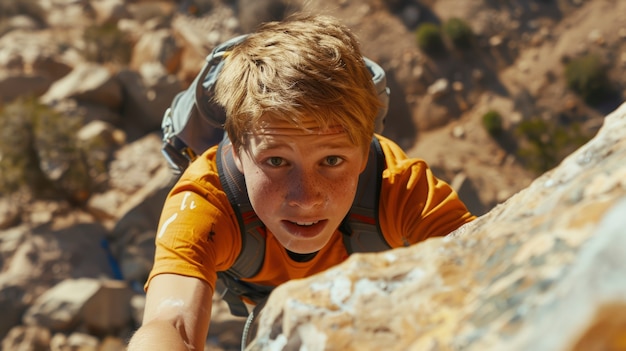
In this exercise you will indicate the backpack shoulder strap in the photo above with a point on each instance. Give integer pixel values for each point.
(250, 259)
(361, 228)
(252, 252)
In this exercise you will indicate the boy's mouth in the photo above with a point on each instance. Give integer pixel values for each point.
(305, 224)
(304, 229)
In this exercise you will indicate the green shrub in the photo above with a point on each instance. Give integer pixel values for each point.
(587, 76)
(459, 33)
(19, 164)
(39, 152)
(543, 144)
(492, 122)
(429, 39)
(107, 43)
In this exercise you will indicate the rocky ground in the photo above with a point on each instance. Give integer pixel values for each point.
(118, 85)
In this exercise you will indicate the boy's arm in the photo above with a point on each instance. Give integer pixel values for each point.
(176, 316)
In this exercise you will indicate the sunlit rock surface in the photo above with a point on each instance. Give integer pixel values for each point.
(546, 270)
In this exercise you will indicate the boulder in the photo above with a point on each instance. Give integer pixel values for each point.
(12, 306)
(59, 308)
(542, 271)
(157, 46)
(27, 338)
(146, 94)
(13, 86)
(109, 309)
(74, 341)
(102, 306)
(88, 82)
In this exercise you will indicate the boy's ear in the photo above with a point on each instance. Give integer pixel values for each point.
(365, 159)
(237, 159)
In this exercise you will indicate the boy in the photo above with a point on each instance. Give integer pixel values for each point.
(300, 107)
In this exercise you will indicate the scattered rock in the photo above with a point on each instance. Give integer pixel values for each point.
(88, 82)
(27, 338)
(439, 88)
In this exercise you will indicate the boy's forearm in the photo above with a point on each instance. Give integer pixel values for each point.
(158, 335)
(176, 316)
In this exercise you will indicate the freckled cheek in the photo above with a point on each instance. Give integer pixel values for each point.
(342, 189)
(263, 191)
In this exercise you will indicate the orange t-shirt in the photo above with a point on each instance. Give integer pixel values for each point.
(198, 233)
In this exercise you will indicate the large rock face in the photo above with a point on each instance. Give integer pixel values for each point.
(546, 270)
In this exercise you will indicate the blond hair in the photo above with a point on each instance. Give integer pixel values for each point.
(306, 66)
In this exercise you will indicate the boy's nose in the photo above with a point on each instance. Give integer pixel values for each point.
(304, 191)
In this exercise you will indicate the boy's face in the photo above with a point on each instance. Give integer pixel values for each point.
(301, 183)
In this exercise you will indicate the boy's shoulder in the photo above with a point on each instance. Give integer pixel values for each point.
(203, 170)
(392, 151)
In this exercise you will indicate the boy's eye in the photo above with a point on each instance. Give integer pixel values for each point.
(275, 161)
(333, 160)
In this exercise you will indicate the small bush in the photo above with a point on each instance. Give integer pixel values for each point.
(545, 143)
(19, 165)
(429, 39)
(492, 122)
(107, 43)
(459, 33)
(587, 76)
(39, 152)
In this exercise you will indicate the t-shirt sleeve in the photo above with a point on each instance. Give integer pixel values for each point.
(196, 233)
(415, 205)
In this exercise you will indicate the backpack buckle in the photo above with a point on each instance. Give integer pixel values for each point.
(177, 154)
